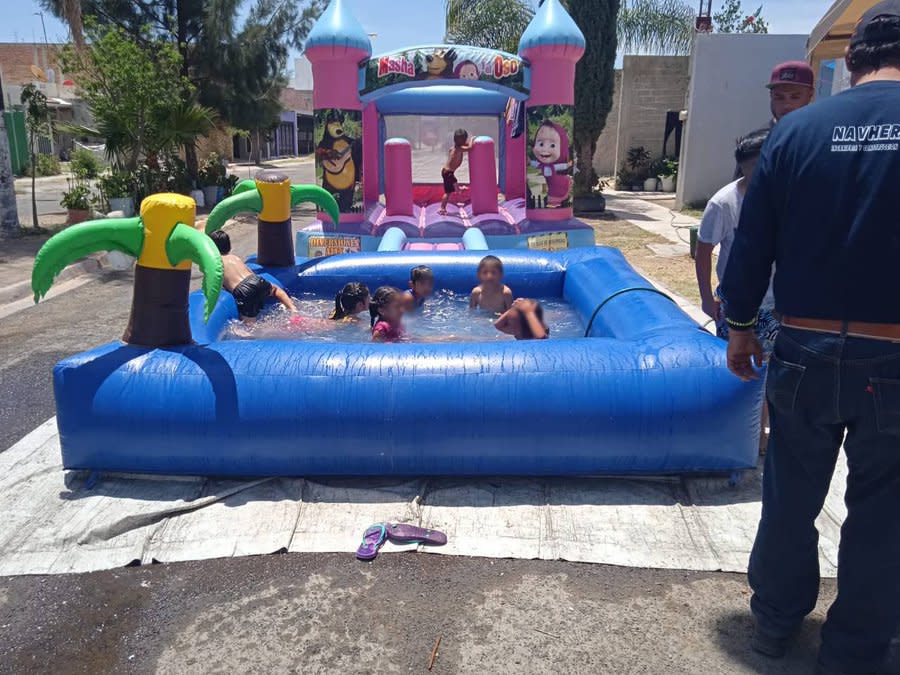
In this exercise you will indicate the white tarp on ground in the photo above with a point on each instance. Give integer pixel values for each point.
(55, 524)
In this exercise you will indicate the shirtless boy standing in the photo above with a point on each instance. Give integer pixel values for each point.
(461, 145)
(250, 291)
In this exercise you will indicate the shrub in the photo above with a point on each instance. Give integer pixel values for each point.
(116, 184)
(78, 197)
(47, 165)
(212, 171)
(84, 164)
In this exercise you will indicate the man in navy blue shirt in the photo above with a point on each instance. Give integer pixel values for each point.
(824, 207)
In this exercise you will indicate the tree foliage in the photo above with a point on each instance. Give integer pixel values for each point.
(141, 103)
(494, 24)
(594, 82)
(731, 18)
(656, 26)
(37, 119)
(237, 69)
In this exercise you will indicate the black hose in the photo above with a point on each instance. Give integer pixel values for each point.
(590, 325)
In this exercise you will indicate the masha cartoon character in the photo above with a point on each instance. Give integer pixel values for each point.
(550, 150)
(467, 70)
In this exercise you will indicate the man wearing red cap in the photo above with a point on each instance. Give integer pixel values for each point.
(791, 86)
(823, 207)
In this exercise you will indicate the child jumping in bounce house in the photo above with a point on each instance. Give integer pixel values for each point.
(461, 145)
(550, 149)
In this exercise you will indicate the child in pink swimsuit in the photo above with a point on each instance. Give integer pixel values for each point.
(386, 311)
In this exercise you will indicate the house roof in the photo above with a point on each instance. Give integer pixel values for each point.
(832, 34)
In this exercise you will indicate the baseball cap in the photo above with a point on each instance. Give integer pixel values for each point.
(793, 72)
(864, 30)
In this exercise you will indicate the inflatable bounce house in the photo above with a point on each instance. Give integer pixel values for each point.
(639, 389)
(520, 187)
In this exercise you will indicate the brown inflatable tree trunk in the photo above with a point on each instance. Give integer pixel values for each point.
(275, 238)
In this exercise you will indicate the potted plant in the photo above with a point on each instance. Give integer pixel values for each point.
(117, 188)
(211, 175)
(638, 161)
(668, 174)
(77, 202)
(623, 178)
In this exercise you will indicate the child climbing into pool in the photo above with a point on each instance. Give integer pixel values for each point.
(461, 145)
(491, 294)
(386, 312)
(351, 300)
(421, 286)
(249, 290)
(524, 321)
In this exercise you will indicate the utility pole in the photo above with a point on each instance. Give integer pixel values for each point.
(9, 213)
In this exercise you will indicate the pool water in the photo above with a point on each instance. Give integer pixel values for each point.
(445, 315)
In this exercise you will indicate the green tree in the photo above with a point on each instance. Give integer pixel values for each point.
(230, 67)
(732, 19)
(594, 82)
(495, 24)
(656, 26)
(37, 119)
(141, 104)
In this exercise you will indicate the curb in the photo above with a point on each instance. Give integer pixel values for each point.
(22, 289)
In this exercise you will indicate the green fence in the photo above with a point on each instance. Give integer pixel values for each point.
(18, 140)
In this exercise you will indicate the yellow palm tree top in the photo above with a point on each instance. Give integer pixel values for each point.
(276, 199)
(160, 214)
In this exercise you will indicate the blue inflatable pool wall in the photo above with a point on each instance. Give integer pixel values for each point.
(646, 392)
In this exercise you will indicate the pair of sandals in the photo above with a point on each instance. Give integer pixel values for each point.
(397, 533)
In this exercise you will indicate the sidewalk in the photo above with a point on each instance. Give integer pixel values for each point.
(645, 212)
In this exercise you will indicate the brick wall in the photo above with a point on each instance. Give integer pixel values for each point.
(16, 59)
(648, 86)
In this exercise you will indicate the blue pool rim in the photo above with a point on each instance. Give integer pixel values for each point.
(647, 393)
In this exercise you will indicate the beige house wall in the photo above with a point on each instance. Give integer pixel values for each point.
(646, 88)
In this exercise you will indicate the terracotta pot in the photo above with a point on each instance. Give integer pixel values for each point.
(75, 216)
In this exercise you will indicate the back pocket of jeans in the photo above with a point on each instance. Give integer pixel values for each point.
(887, 404)
(782, 383)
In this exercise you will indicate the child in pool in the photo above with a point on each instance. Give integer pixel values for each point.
(249, 290)
(524, 321)
(350, 301)
(421, 286)
(491, 294)
(386, 311)
(461, 145)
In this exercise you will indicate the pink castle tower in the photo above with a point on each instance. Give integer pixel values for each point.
(552, 44)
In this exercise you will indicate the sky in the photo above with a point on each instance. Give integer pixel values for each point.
(400, 23)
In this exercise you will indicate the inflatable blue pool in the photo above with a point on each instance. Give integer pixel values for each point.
(645, 391)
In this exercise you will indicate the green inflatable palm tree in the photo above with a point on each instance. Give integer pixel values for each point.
(165, 244)
(272, 197)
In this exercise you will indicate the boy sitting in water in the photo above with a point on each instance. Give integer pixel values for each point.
(250, 291)
(461, 145)
(421, 286)
(491, 294)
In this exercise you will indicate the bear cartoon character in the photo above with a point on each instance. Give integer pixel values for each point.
(340, 158)
(550, 150)
(467, 70)
(439, 65)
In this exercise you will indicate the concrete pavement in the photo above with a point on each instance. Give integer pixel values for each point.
(329, 613)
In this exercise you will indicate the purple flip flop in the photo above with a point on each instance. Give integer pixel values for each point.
(372, 541)
(403, 533)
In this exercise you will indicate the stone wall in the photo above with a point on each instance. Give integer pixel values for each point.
(647, 87)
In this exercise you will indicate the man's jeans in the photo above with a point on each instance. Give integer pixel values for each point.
(820, 386)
